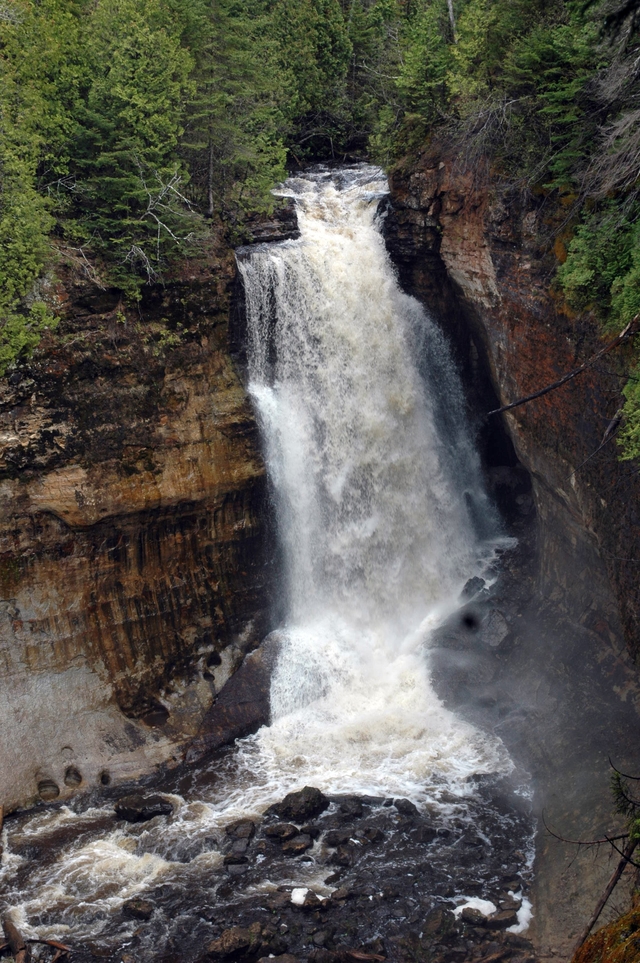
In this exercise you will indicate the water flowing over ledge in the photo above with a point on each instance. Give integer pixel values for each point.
(383, 519)
(380, 504)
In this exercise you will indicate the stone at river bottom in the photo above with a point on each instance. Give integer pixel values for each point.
(302, 805)
(138, 909)
(139, 809)
(281, 831)
(297, 845)
(393, 900)
(241, 829)
(246, 943)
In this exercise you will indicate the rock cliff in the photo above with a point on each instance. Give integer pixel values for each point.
(486, 254)
(562, 689)
(134, 544)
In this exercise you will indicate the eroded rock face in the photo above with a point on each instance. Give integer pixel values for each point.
(566, 691)
(133, 545)
(485, 258)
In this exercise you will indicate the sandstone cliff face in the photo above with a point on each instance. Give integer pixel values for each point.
(134, 547)
(483, 258)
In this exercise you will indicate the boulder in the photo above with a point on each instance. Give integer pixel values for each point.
(300, 806)
(350, 806)
(343, 856)
(336, 837)
(238, 941)
(241, 829)
(242, 705)
(502, 919)
(473, 917)
(298, 845)
(138, 909)
(139, 808)
(405, 807)
(281, 831)
(472, 588)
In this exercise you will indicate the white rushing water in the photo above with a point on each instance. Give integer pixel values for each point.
(382, 518)
(379, 500)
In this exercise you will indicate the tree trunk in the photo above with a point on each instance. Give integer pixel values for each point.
(210, 207)
(452, 20)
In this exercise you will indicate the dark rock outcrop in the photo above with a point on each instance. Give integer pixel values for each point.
(546, 647)
(299, 806)
(242, 706)
(139, 808)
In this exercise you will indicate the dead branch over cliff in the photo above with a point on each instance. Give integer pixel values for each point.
(630, 330)
(617, 873)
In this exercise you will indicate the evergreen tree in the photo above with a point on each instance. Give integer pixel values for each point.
(233, 139)
(129, 124)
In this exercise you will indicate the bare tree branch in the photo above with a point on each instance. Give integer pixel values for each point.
(630, 330)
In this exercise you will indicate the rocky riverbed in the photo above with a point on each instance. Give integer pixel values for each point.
(318, 878)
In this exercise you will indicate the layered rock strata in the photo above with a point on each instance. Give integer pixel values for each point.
(133, 534)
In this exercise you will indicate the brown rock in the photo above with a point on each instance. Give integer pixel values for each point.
(242, 706)
(236, 941)
(502, 920)
(132, 510)
(336, 837)
(298, 845)
(139, 808)
(300, 806)
(282, 831)
(343, 856)
(138, 909)
(473, 917)
(241, 829)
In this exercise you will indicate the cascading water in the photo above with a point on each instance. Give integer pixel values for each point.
(380, 504)
(382, 518)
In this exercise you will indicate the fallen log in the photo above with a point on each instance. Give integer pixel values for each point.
(14, 944)
(54, 943)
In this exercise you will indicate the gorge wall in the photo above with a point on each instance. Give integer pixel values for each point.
(486, 254)
(562, 689)
(134, 544)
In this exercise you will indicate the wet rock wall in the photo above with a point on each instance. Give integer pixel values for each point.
(484, 256)
(561, 688)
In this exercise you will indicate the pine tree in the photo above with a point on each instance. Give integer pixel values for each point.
(233, 138)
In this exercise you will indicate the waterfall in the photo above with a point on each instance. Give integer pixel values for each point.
(382, 518)
(380, 505)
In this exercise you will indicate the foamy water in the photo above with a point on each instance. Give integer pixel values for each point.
(382, 518)
(380, 503)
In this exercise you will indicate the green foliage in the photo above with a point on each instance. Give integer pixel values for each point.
(128, 127)
(25, 219)
(21, 333)
(427, 62)
(131, 202)
(235, 116)
(602, 274)
(629, 437)
(601, 270)
(625, 804)
(548, 69)
(314, 52)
